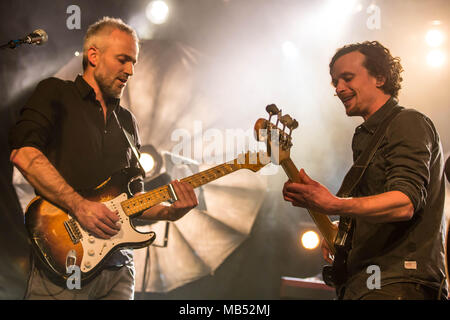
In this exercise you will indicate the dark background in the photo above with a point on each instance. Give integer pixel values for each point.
(225, 30)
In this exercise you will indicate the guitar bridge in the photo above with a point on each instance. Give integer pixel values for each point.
(73, 231)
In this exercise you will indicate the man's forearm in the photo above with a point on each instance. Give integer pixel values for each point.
(390, 206)
(156, 213)
(43, 176)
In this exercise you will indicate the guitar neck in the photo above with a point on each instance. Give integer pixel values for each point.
(149, 199)
(322, 221)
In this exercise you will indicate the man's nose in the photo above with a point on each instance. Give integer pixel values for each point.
(129, 69)
(340, 86)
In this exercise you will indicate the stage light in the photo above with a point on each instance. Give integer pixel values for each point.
(147, 162)
(157, 12)
(344, 6)
(436, 22)
(151, 161)
(310, 240)
(76, 53)
(434, 38)
(289, 50)
(358, 7)
(435, 58)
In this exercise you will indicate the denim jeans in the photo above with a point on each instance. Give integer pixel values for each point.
(109, 284)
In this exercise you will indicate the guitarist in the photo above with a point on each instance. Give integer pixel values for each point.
(67, 138)
(397, 207)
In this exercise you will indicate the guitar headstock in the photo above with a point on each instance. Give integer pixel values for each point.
(278, 140)
(253, 161)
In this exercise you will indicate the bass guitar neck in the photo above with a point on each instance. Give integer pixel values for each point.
(322, 221)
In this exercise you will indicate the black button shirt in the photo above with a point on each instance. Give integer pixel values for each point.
(409, 160)
(65, 122)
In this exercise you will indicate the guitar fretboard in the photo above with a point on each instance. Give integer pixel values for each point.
(149, 199)
(323, 222)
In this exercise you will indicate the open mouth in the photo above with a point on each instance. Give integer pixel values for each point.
(122, 82)
(347, 98)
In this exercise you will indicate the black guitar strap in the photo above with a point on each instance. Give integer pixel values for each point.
(356, 172)
(129, 139)
(350, 182)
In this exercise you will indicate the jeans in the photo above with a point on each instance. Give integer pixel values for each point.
(401, 291)
(109, 284)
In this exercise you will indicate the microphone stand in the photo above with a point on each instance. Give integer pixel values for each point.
(12, 44)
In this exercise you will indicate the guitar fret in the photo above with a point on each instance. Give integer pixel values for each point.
(145, 201)
(142, 202)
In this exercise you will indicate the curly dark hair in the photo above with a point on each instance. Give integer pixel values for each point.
(378, 62)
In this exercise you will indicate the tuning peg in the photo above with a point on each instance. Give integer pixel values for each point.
(286, 120)
(293, 125)
(272, 109)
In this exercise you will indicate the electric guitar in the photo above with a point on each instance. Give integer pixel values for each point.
(279, 142)
(60, 241)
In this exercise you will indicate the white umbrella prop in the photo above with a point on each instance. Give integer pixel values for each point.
(199, 242)
(166, 94)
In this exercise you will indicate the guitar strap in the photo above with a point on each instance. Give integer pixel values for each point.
(350, 182)
(129, 139)
(354, 175)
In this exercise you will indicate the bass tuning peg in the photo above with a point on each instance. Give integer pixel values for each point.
(272, 109)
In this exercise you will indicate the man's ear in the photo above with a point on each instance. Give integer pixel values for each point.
(380, 81)
(93, 56)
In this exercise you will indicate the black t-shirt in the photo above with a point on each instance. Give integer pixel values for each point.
(409, 160)
(65, 122)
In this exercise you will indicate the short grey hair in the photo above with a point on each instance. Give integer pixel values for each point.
(104, 27)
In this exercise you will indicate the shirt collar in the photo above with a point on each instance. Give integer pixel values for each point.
(86, 91)
(372, 123)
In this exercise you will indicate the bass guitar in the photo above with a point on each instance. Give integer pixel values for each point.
(279, 142)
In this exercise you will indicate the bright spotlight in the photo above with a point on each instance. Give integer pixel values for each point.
(289, 50)
(310, 240)
(434, 38)
(435, 58)
(147, 162)
(157, 11)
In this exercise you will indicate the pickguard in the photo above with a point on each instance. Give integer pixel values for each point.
(95, 249)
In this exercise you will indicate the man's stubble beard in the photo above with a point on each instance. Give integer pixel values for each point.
(107, 90)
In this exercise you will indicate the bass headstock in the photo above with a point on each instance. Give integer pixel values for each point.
(253, 161)
(278, 135)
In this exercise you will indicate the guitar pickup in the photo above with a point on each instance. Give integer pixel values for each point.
(73, 230)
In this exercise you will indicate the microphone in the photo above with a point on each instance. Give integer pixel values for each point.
(37, 37)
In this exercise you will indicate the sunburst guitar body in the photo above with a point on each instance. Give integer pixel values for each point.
(60, 241)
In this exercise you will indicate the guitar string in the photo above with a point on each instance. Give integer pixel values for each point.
(159, 195)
